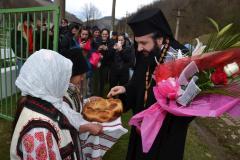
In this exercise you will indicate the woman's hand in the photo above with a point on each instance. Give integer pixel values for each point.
(118, 47)
(116, 91)
(94, 129)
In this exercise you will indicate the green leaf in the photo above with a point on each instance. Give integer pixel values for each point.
(222, 43)
(224, 30)
(214, 23)
(237, 44)
(211, 40)
(234, 40)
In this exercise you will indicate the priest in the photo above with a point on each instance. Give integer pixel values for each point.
(155, 44)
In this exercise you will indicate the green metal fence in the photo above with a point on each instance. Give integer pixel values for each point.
(22, 31)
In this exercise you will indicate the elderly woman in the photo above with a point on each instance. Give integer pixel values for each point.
(45, 126)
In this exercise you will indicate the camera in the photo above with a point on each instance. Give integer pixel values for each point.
(104, 43)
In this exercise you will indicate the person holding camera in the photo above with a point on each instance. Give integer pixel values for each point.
(104, 49)
(84, 41)
(120, 55)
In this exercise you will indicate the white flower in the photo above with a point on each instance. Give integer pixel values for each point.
(199, 48)
(231, 69)
(179, 54)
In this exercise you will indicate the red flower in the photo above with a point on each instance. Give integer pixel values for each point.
(28, 143)
(39, 136)
(219, 77)
(41, 152)
(52, 155)
(29, 157)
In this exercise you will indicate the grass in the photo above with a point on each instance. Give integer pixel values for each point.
(8, 106)
(195, 148)
(228, 136)
(5, 138)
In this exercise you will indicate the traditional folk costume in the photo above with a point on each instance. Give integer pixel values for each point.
(47, 126)
(92, 147)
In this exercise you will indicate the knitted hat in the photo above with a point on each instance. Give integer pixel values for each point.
(79, 62)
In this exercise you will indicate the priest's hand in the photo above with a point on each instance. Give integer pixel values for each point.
(116, 91)
(94, 98)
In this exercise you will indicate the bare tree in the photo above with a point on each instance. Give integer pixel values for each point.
(90, 13)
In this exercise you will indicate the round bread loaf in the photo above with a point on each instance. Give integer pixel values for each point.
(102, 110)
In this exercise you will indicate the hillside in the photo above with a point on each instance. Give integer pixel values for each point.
(195, 12)
(104, 22)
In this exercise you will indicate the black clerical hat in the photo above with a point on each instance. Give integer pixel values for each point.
(79, 62)
(149, 21)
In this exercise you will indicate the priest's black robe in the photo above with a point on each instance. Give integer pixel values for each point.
(170, 141)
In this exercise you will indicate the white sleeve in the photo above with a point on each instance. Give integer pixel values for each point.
(74, 117)
(39, 143)
(86, 100)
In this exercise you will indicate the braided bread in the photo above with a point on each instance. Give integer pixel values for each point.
(102, 110)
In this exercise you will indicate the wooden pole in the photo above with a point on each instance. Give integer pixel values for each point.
(113, 14)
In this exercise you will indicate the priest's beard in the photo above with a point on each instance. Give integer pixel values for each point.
(153, 54)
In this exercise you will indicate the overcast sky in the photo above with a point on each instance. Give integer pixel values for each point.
(105, 6)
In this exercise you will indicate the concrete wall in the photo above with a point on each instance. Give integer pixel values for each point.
(5, 88)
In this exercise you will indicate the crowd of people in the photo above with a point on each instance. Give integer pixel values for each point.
(109, 57)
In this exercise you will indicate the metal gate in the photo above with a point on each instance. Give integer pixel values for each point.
(22, 31)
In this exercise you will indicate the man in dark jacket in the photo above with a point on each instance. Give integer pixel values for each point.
(154, 39)
(67, 41)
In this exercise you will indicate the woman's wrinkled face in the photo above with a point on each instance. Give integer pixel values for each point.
(105, 35)
(77, 79)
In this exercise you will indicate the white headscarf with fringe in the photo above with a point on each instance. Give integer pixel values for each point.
(46, 75)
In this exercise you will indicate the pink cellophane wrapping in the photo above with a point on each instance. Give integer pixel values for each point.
(149, 121)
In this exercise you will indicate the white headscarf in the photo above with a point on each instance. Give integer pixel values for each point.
(45, 75)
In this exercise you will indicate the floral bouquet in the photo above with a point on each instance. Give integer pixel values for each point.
(204, 84)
